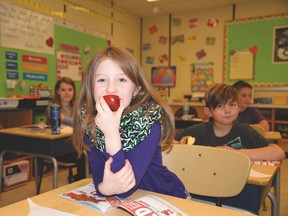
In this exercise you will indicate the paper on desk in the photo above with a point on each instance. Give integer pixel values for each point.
(254, 173)
(66, 129)
(36, 210)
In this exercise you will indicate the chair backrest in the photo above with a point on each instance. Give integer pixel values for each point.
(260, 129)
(208, 171)
(192, 111)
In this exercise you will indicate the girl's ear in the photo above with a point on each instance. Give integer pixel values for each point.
(207, 112)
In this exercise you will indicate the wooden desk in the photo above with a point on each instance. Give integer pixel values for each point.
(39, 144)
(263, 181)
(52, 200)
(266, 184)
(273, 135)
(255, 191)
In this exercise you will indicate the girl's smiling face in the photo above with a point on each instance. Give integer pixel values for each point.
(66, 93)
(110, 79)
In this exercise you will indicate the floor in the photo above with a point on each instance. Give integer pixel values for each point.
(29, 190)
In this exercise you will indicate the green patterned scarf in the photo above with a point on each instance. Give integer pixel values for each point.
(134, 126)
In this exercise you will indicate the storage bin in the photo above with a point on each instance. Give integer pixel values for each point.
(15, 174)
(280, 100)
(9, 103)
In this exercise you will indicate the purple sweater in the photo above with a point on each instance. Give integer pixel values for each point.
(146, 160)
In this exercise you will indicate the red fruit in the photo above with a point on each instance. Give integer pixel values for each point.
(113, 101)
(50, 42)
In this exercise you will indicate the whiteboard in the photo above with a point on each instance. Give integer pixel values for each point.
(26, 30)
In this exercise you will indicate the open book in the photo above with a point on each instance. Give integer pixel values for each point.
(145, 205)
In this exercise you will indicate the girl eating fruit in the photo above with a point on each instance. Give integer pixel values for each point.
(124, 139)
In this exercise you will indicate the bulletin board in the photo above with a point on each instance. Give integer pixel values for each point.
(28, 51)
(249, 51)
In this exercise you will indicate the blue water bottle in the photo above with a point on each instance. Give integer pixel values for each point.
(55, 121)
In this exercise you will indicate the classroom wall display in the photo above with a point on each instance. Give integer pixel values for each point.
(72, 48)
(252, 51)
(241, 65)
(280, 46)
(202, 76)
(26, 30)
(163, 76)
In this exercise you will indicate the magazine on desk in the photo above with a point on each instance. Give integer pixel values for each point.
(145, 205)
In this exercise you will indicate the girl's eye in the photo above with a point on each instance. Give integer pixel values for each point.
(100, 80)
(122, 80)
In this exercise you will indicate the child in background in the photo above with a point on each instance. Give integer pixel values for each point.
(124, 146)
(248, 114)
(224, 132)
(65, 97)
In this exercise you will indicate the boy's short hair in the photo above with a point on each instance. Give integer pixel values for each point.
(220, 94)
(242, 84)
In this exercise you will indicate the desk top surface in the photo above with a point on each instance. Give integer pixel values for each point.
(52, 200)
(273, 135)
(267, 171)
(37, 133)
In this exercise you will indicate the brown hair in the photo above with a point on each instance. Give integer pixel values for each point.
(56, 98)
(134, 72)
(242, 84)
(220, 94)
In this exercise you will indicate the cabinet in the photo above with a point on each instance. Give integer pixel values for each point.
(15, 117)
(277, 116)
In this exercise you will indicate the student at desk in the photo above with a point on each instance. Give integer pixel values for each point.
(65, 97)
(224, 132)
(124, 139)
(248, 114)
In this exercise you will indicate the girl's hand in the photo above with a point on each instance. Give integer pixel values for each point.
(117, 183)
(62, 116)
(106, 120)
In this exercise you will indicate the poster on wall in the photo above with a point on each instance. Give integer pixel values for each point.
(69, 64)
(202, 76)
(280, 45)
(163, 76)
(26, 30)
(241, 65)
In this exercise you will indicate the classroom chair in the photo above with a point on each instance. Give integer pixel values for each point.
(192, 111)
(66, 165)
(208, 171)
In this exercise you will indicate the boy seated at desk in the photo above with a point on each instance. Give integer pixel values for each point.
(248, 114)
(224, 132)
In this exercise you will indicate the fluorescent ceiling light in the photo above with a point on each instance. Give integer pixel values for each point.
(152, 0)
